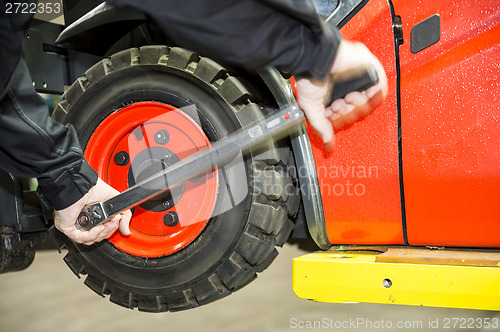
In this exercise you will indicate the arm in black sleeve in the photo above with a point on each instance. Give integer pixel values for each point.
(31, 143)
(251, 34)
(34, 145)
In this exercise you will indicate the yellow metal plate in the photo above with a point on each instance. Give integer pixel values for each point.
(339, 277)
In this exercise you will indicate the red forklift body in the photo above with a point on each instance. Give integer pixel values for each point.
(423, 169)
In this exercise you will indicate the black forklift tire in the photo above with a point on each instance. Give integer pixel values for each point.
(234, 246)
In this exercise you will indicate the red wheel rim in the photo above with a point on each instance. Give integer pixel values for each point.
(145, 131)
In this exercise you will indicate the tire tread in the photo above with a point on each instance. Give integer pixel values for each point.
(268, 223)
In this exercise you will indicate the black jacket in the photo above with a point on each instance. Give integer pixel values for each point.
(286, 34)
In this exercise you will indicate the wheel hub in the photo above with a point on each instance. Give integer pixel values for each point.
(148, 163)
(138, 141)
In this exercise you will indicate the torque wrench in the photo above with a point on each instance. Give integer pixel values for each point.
(221, 152)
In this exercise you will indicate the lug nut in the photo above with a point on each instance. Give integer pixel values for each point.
(162, 137)
(171, 219)
(121, 158)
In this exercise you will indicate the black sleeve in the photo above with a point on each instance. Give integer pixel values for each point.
(251, 34)
(31, 143)
(11, 44)
(34, 145)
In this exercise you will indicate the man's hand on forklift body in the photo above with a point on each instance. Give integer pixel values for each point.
(312, 94)
(64, 220)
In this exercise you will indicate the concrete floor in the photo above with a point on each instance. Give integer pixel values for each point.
(48, 297)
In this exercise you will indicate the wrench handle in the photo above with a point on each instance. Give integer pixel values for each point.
(359, 79)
